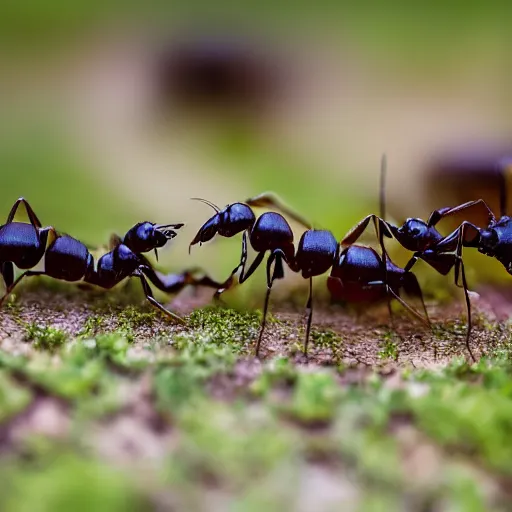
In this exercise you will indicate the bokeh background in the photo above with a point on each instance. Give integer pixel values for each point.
(115, 112)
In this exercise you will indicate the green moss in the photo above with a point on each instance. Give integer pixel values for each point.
(13, 398)
(232, 446)
(236, 329)
(65, 379)
(92, 326)
(314, 399)
(132, 317)
(111, 348)
(45, 337)
(326, 338)
(278, 372)
(64, 481)
(388, 347)
(468, 409)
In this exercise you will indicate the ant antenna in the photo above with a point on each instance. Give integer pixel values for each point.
(216, 208)
(383, 169)
(502, 167)
(173, 226)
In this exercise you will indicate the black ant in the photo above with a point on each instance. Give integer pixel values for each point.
(68, 259)
(358, 273)
(269, 232)
(440, 252)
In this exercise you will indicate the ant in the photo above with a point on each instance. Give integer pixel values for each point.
(269, 232)
(68, 259)
(358, 273)
(440, 252)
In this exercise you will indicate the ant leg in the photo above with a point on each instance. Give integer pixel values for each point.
(174, 283)
(405, 305)
(459, 265)
(380, 225)
(264, 320)
(7, 271)
(28, 273)
(468, 309)
(229, 283)
(271, 200)
(382, 191)
(155, 303)
(309, 306)
(114, 241)
(437, 215)
(278, 273)
(31, 214)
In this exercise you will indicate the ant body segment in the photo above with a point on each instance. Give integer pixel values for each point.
(22, 244)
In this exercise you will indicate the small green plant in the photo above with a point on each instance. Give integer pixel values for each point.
(280, 371)
(45, 337)
(132, 317)
(315, 398)
(389, 348)
(92, 326)
(326, 338)
(225, 326)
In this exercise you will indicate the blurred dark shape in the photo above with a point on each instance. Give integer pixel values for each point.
(221, 72)
(458, 177)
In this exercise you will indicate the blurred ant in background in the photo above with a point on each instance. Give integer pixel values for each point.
(218, 71)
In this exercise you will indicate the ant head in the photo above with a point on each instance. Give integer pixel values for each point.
(416, 235)
(147, 236)
(413, 228)
(234, 219)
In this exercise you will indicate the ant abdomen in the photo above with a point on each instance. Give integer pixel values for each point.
(315, 253)
(19, 243)
(66, 259)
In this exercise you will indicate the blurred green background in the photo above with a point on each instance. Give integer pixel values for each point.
(88, 139)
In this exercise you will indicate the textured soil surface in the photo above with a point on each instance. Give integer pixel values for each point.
(100, 390)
